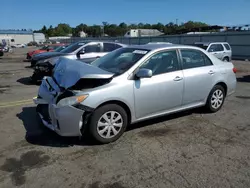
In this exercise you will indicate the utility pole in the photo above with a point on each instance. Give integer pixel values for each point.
(104, 24)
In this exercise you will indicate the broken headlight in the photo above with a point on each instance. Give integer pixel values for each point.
(69, 101)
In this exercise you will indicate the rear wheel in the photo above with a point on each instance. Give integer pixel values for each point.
(108, 123)
(216, 99)
(226, 59)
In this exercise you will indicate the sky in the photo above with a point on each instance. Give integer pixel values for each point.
(33, 14)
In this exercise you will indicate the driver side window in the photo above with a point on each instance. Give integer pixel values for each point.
(162, 62)
(92, 48)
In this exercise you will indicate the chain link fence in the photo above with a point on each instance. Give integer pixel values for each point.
(239, 41)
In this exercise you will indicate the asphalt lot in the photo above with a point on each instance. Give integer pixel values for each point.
(189, 149)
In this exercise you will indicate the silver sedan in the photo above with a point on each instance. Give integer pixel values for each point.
(129, 85)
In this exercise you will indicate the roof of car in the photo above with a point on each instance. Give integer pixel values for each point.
(88, 41)
(207, 43)
(157, 46)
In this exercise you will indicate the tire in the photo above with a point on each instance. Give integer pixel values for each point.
(97, 116)
(226, 59)
(217, 95)
(34, 78)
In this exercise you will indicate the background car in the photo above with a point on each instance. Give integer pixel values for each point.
(1, 51)
(222, 50)
(117, 89)
(46, 48)
(18, 46)
(86, 52)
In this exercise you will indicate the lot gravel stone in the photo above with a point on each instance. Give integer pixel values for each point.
(187, 149)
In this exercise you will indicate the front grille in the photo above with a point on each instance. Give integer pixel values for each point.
(33, 62)
(43, 109)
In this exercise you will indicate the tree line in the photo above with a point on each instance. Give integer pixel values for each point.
(115, 30)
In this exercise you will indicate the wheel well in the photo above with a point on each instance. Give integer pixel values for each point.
(226, 57)
(122, 104)
(224, 86)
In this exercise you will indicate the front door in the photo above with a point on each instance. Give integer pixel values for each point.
(92, 51)
(199, 74)
(164, 90)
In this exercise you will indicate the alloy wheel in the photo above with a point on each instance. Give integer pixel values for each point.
(217, 99)
(110, 124)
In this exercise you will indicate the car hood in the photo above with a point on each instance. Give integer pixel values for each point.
(68, 72)
(47, 55)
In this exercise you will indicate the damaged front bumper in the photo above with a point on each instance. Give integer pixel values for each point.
(39, 73)
(65, 121)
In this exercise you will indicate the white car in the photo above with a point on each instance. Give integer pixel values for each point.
(19, 45)
(222, 50)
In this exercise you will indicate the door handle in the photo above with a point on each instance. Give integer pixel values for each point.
(178, 78)
(211, 72)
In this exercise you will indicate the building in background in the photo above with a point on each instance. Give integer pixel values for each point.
(82, 34)
(13, 37)
(143, 33)
(39, 38)
(59, 37)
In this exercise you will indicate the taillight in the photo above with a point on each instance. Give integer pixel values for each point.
(234, 70)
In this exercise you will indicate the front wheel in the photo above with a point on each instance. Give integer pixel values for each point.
(216, 99)
(108, 123)
(226, 59)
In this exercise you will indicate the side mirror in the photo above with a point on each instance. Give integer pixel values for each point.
(82, 52)
(47, 49)
(144, 73)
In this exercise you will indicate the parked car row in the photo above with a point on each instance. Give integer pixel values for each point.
(85, 51)
(99, 88)
(46, 48)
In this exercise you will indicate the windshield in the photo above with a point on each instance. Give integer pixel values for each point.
(203, 46)
(60, 48)
(73, 47)
(119, 61)
(44, 48)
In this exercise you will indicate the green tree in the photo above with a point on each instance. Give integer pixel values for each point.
(44, 30)
(51, 31)
(63, 29)
(78, 28)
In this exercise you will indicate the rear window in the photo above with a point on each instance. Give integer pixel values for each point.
(73, 47)
(109, 47)
(227, 46)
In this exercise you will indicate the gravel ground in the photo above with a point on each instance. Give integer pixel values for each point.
(188, 149)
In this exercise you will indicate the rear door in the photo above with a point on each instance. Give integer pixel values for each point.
(199, 73)
(217, 50)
